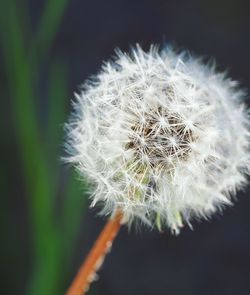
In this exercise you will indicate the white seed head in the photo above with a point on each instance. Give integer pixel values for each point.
(163, 137)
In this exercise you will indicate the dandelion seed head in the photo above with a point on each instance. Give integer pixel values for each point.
(162, 136)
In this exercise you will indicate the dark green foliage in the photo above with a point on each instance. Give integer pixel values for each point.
(54, 213)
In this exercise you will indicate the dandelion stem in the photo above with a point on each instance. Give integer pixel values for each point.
(95, 258)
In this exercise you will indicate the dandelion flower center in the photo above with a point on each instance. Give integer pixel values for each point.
(161, 139)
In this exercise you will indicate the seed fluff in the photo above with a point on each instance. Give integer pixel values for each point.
(162, 136)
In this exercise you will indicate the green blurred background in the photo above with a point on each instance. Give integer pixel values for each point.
(48, 48)
(35, 88)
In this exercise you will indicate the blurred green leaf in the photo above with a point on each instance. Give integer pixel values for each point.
(44, 234)
(52, 241)
(46, 237)
(57, 94)
(73, 210)
(47, 28)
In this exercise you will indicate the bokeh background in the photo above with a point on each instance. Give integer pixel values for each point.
(48, 48)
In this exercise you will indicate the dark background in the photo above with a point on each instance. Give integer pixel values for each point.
(48, 48)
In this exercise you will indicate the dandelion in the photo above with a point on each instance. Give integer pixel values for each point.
(163, 138)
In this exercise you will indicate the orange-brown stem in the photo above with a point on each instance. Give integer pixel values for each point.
(90, 266)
